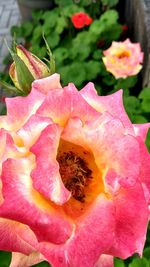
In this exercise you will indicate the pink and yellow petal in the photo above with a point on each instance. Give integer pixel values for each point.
(12, 235)
(60, 105)
(86, 243)
(32, 129)
(105, 261)
(46, 84)
(48, 222)
(21, 260)
(19, 110)
(113, 103)
(141, 130)
(46, 177)
(131, 219)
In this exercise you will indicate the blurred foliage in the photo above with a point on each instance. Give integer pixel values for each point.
(78, 54)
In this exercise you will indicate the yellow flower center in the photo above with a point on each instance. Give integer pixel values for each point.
(123, 54)
(80, 176)
(75, 174)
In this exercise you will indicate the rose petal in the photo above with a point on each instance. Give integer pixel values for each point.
(48, 223)
(87, 242)
(141, 130)
(19, 109)
(105, 261)
(21, 260)
(46, 84)
(131, 222)
(46, 177)
(12, 237)
(113, 104)
(60, 105)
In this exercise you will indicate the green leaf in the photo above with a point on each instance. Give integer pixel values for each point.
(145, 93)
(9, 89)
(118, 263)
(93, 68)
(37, 33)
(109, 79)
(64, 2)
(109, 3)
(79, 51)
(132, 105)
(145, 105)
(146, 253)
(61, 25)
(5, 258)
(106, 27)
(60, 54)
(27, 28)
(53, 39)
(17, 31)
(139, 119)
(147, 250)
(139, 263)
(75, 73)
(126, 83)
(50, 18)
(69, 10)
(98, 54)
(145, 97)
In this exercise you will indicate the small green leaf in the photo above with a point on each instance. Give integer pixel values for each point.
(146, 253)
(118, 263)
(145, 93)
(93, 68)
(139, 263)
(10, 89)
(5, 258)
(126, 83)
(109, 3)
(53, 39)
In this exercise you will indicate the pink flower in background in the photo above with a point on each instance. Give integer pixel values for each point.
(123, 59)
(80, 20)
(75, 178)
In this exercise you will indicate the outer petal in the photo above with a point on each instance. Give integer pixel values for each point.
(105, 261)
(112, 103)
(141, 130)
(60, 105)
(46, 177)
(48, 223)
(131, 222)
(19, 109)
(100, 137)
(87, 241)
(145, 170)
(46, 84)
(21, 260)
(18, 237)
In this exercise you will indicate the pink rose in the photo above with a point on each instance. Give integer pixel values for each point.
(123, 59)
(75, 178)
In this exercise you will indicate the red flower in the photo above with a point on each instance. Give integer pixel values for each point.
(80, 20)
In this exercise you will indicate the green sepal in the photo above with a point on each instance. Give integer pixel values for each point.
(51, 60)
(24, 76)
(10, 89)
